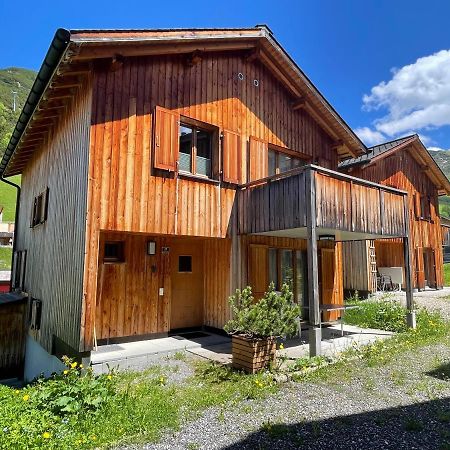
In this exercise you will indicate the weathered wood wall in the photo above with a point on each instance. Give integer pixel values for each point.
(125, 193)
(12, 338)
(55, 249)
(356, 271)
(402, 171)
(128, 300)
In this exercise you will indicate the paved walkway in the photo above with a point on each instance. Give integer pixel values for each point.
(141, 354)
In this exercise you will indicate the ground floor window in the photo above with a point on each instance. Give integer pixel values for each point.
(289, 266)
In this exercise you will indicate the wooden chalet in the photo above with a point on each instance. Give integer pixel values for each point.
(163, 169)
(404, 164)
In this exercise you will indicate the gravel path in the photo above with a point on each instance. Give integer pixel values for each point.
(402, 405)
(430, 299)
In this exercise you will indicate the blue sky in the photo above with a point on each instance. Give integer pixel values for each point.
(384, 65)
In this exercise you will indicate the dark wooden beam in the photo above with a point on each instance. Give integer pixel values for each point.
(193, 58)
(299, 104)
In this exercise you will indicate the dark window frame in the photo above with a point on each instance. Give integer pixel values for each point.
(213, 131)
(40, 209)
(182, 268)
(120, 252)
(278, 151)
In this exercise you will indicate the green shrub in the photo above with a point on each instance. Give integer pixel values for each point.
(275, 315)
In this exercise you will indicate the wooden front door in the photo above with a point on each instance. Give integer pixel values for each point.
(429, 267)
(328, 284)
(186, 274)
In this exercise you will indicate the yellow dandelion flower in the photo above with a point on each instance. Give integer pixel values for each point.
(46, 435)
(109, 377)
(17, 392)
(281, 347)
(94, 438)
(73, 365)
(26, 397)
(81, 366)
(65, 372)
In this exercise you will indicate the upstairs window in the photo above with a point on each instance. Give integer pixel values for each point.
(425, 207)
(280, 162)
(40, 209)
(195, 150)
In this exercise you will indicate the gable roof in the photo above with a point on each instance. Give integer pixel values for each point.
(418, 152)
(71, 53)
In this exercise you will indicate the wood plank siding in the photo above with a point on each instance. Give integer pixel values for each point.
(128, 192)
(55, 249)
(401, 170)
(343, 204)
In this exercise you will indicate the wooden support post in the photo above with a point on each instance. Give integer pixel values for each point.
(315, 332)
(411, 314)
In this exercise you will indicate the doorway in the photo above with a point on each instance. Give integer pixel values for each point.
(429, 265)
(186, 274)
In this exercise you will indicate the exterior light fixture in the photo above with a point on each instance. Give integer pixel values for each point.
(151, 248)
(326, 237)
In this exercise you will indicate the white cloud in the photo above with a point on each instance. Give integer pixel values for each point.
(370, 137)
(417, 97)
(438, 149)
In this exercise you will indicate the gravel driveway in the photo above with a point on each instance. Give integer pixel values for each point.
(402, 405)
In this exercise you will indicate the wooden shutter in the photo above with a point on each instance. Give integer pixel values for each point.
(417, 206)
(258, 269)
(420, 272)
(231, 157)
(258, 159)
(165, 139)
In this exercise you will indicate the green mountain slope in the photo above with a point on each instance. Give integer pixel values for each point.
(12, 79)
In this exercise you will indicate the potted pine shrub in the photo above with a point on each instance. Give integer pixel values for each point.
(255, 326)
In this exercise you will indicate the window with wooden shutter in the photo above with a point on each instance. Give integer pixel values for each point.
(40, 209)
(258, 159)
(231, 157)
(165, 139)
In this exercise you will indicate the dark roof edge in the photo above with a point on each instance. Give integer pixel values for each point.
(51, 61)
(409, 136)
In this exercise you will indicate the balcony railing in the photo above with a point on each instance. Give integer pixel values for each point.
(339, 202)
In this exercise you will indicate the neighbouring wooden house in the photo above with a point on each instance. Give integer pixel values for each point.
(163, 169)
(404, 164)
(445, 227)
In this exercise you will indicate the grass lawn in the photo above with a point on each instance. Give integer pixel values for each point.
(85, 411)
(447, 274)
(8, 198)
(80, 410)
(5, 258)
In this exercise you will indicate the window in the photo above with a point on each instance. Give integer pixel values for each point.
(114, 252)
(19, 268)
(184, 263)
(195, 150)
(425, 207)
(280, 162)
(40, 208)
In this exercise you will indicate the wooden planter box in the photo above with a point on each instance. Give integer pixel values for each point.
(252, 355)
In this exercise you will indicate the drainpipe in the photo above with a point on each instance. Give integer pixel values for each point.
(16, 221)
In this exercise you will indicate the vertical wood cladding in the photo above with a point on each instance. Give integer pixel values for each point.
(55, 249)
(403, 172)
(126, 193)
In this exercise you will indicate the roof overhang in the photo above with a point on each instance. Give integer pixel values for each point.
(72, 53)
(414, 146)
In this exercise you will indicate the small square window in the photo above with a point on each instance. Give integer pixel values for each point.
(185, 263)
(114, 252)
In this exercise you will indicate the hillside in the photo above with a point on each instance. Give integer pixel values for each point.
(12, 79)
(17, 80)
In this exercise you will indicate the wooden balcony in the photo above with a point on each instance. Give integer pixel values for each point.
(337, 205)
